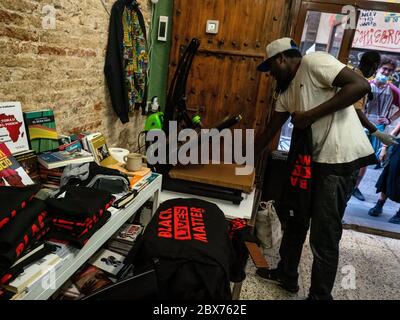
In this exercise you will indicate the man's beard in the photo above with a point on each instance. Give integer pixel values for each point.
(281, 86)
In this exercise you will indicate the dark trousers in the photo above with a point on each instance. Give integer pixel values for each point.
(330, 196)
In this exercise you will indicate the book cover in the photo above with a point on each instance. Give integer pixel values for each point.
(12, 127)
(140, 176)
(108, 261)
(28, 161)
(69, 291)
(42, 130)
(71, 146)
(11, 172)
(102, 155)
(128, 233)
(51, 160)
(90, 279)
(64, 139)
(143, 182)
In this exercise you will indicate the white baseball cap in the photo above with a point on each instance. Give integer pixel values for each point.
(274, 48)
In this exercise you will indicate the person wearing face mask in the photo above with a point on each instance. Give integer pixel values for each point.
(386, 96)
(369, 63)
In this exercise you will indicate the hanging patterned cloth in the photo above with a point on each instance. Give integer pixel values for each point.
(135, 56)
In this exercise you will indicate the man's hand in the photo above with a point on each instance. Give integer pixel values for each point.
(385, 138)
(301, 119)
(383, 120)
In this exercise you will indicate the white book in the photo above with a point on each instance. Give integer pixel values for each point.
(33, 273)
(89, 138)
(108, 261)
(12, 127)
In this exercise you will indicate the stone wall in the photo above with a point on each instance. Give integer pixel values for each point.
(62, 68)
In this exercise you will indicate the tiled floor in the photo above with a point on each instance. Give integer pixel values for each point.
(373, 260)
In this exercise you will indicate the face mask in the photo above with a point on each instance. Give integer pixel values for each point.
(381, 78)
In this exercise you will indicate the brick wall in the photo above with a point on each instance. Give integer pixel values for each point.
(62, 68)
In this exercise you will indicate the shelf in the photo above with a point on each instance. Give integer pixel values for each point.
(42, 290)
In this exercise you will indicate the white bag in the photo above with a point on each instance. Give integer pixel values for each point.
(268, 226)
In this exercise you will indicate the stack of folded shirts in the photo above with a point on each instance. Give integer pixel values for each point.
(77, 213)
(23, 222)
(13, 199)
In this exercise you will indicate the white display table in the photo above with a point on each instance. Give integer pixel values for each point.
(45, 288)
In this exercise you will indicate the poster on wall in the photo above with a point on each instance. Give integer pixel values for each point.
(378, 30)
(12, 127)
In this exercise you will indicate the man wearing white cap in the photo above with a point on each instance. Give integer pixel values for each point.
(319, 91)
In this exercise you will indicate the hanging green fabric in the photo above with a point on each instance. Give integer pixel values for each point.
(136, 58)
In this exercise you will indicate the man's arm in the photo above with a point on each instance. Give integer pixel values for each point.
(396, 131)
(353, 87)
(395, 116)
(263, 140)
(365, 122)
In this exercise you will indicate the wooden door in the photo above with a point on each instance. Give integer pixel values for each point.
(223, 79)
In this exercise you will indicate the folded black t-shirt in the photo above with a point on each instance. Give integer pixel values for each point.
(77, 228)
(33, 233)
(11, 233)
(13, 199)
(73, 240)
(78, 202)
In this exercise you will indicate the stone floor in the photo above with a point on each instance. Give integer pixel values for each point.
(357, 211)
(373, 260)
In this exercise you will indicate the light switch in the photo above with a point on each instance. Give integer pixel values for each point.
(162, 29)
(212, 26)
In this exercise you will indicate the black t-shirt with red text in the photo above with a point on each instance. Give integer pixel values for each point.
(189, 238)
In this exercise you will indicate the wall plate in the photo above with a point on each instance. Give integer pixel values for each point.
(212, 26)
(163, 28)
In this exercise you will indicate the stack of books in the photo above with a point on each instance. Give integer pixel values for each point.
(123, 241)
(51, 160)
(39, 272)
(50, 178)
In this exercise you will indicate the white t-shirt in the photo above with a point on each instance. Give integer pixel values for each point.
(338, 137)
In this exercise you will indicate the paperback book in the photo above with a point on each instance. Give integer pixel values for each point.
(42, 130)
(12, 127)
(28, 161)
(11, 172)
(128, 233)
(108, 261)
(51, 160)
(98, 146)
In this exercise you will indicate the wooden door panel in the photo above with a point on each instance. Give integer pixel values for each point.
(231, 87)
(223, 79)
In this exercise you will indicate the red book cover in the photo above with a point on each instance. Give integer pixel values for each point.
(11, 172)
